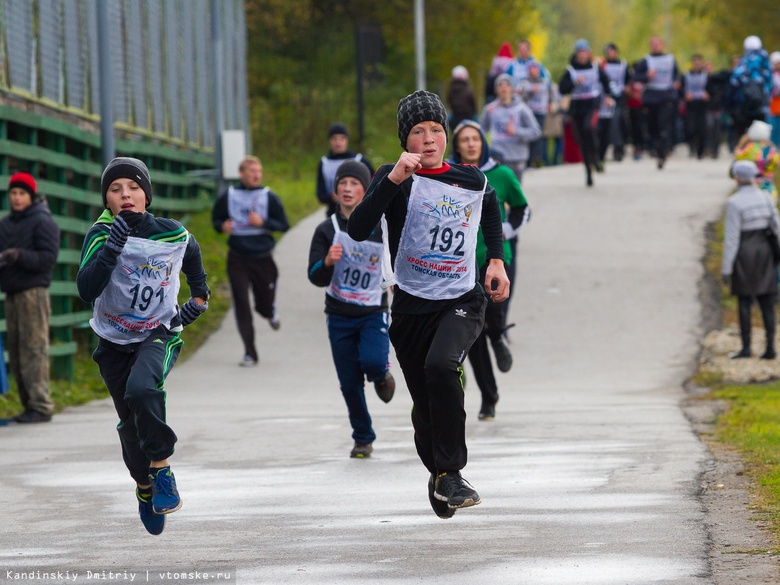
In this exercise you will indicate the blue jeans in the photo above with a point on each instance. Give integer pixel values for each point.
(360, 347)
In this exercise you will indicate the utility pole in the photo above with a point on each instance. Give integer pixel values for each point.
(104, 72)
(219, 115)
(419, 41)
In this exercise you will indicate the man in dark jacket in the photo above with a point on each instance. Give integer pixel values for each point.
(29, 243)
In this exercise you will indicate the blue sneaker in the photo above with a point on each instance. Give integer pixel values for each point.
(154, 523)
(165, 496)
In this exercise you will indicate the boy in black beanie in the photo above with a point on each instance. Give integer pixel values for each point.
(355, 304)
(433, 212)
(130, 265)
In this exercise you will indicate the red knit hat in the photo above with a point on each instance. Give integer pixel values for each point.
(505, 50)
(23, 181)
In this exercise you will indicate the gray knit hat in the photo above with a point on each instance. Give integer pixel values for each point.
(353, 168)
(124, 167)
(420, 106)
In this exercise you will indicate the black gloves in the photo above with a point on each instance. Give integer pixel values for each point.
(124, 222)
(190, 311)
(9, 256)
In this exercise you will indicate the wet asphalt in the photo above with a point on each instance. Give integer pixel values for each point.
(589, 473)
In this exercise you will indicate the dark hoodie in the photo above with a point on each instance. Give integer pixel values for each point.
(37, 237)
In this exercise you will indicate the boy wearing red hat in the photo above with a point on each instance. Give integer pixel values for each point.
(29, 243)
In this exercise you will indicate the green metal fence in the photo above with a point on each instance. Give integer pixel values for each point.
(63, 159)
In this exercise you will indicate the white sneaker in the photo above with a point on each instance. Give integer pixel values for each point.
(248, 362)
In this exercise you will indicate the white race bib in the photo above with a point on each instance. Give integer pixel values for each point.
(357, 277)
(436, 257)
(241, 203)
(142, 293)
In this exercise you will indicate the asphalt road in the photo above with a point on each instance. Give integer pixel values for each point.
(589, 474)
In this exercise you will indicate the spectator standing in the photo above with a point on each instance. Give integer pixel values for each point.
(355, 304)
(659, 72)
(512, 126)
(29, 243)
(460, 97)
(338, 139)
(751, 85)
(518, 70)
(130, 265)
(756, 146)
(774, 98)
(500, 64)
(250, 214)
(748, 261)
(552, 131)
(432, 210)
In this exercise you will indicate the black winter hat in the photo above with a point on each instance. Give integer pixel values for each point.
(338, 128)
(124, 167)
(353, 168)
(420, 106)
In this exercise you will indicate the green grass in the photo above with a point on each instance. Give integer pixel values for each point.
(296, 187)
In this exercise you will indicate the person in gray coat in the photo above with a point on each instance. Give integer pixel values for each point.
(748, 261)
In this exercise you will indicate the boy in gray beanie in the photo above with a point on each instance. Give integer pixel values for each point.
(433, 211)
(130, 265)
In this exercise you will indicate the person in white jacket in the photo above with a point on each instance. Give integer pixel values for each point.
(749, 262)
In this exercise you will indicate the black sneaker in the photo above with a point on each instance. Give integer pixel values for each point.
(441, 509)
(769, 354)
(450, 487)
(385, 388)
(32, 416)
(487, 412)
(742, 354)
(361, 451)
(503, 355)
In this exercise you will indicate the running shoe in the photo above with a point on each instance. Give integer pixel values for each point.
(450, 487)
(247, 362)
(503, 355)
(154, 523)
(385, 387)
(441, 509)
(487, 412)
(361, 450)
(165, 496)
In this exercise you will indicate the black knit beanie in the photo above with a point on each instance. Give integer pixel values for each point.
(353, 168)
(338, 128)
(420, 106)
(124, 167)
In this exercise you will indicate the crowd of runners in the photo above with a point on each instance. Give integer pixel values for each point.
(637, 108)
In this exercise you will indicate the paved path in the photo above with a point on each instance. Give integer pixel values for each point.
(588, 474)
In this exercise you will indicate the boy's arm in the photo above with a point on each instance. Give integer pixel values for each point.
(322, 192)
(528, 130)
(97, 263)
(277, 218)
(195, 274)
(490, 223)
(219, 214)
(379, 195)
(319, 273)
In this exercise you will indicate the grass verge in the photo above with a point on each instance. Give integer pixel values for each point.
(751, 422)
